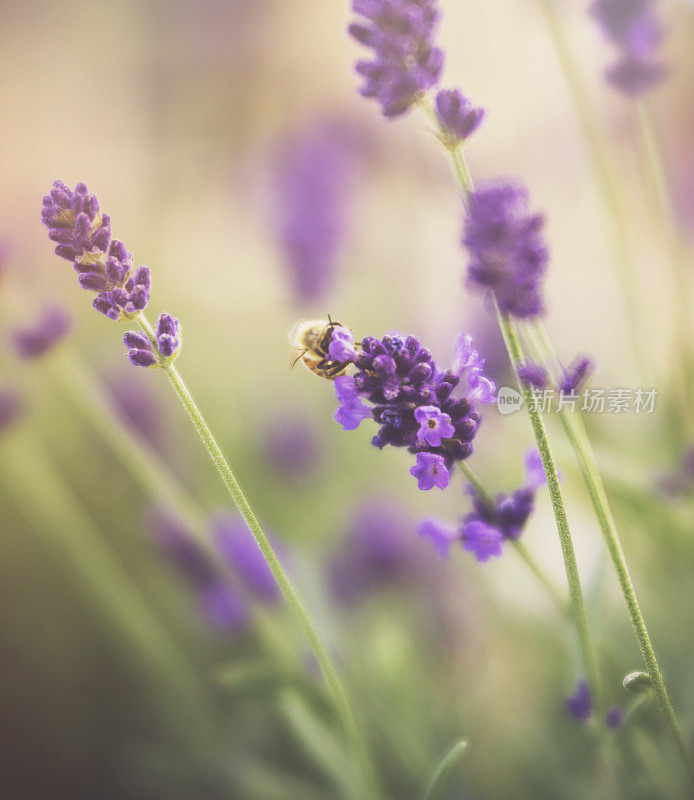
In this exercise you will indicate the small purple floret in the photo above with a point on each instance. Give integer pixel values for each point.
(458, 116)
(482, 539)
(577, 373)
(535, 375)
(614, 719)
(441, 534)
(431, 470)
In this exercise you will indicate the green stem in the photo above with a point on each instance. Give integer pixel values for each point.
(513, 347)
(578, 438)
(609, 187)
(517, 544)
(331, 677)
(578, 608)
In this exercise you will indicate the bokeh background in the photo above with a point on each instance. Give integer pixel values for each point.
(199, 127)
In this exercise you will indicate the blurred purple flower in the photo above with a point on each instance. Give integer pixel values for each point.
(577, 373)
(291, 446)
(377, 551)
(52, 325)
(508, 254)
(535, 375)
(614, 719)
(313, 204)
(482, 539)
(405, 63)
(633, 26)
(11, 407)
(239, 549)
(221, 604)
(441, 534)
(579, 704)
(135, 404)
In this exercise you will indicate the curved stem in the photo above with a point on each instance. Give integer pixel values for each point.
(331, 677)
(519, 546)
(578, 608)
(578, 438)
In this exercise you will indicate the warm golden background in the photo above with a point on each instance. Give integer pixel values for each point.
(176, 114)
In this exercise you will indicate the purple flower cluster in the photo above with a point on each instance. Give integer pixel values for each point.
(412, 400)
(83, 235)
(508, 254)
(53, 324)
(313, 188)
(405, 62)
(376, 553)
(632, 25)
(458, 116)
(141, 351)
(11, 407)
(484, 530)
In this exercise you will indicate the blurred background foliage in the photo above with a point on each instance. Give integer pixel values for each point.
(183, 117)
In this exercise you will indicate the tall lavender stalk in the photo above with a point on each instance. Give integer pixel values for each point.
(82, 234)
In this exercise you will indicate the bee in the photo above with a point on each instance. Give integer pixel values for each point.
(310, 340)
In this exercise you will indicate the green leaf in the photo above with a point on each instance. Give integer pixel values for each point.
(443, 772)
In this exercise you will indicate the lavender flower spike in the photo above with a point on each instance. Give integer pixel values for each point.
(141, 351)
(83, 236)
(459, 118)
(405, 63)
(507, 252)
(632, 25)
(52, 325)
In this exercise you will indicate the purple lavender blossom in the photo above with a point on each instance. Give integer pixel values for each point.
(535, 375)
(239, 549)
(431, 470)
(507, 252)
(484, 530)
(412, 400)
(53, 324)
(313, 203)
(579, 704)
(83, 235)
(141, 351)
(441, 534)
(633, 27)
(458, 116)
(221, 605)
(405, 62)
(11, 407)
(482, 539)
(378, 551)
(614, 719)
(577, 373)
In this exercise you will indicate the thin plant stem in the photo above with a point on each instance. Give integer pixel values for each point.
(609, 187)
(52, 510)
(578, 608)
(332, 679)
(519, 546)
(575, 431)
